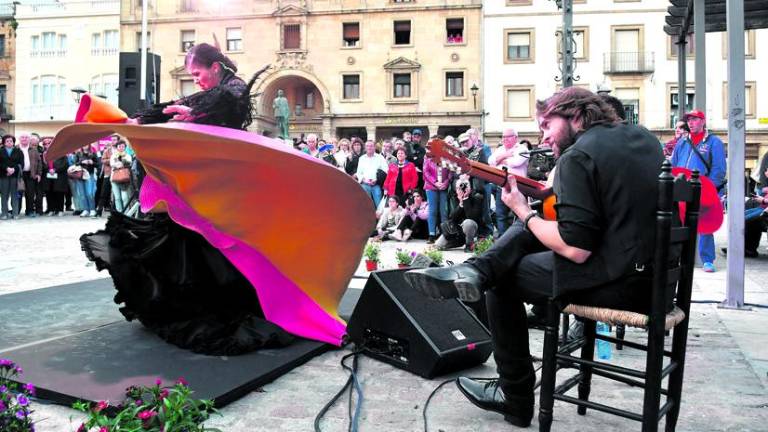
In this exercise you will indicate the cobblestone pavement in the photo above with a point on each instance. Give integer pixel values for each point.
(724, 390)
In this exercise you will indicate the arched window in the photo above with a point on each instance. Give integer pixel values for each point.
(49, 90)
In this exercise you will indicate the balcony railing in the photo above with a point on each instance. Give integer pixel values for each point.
(628, 62)
(65, 112)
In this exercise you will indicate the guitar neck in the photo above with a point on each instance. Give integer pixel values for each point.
(527, 187)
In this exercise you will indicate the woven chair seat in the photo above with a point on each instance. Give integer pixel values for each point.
(615, 316)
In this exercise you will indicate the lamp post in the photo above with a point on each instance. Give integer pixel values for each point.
(78, 91)
(474, 90)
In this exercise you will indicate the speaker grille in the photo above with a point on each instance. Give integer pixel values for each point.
(441, 320)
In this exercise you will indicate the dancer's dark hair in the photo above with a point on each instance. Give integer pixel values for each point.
(206, 55)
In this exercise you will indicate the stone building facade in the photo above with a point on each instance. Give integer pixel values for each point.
(368, 68)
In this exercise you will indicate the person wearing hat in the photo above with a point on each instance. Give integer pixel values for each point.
(417, 154)
(705, 152)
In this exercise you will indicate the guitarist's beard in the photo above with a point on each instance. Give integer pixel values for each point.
(565, 141)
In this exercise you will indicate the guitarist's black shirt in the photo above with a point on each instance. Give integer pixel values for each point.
(606, 187)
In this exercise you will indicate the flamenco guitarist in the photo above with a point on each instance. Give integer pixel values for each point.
(606, 188)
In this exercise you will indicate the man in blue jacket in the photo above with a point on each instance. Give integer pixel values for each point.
(704, 152)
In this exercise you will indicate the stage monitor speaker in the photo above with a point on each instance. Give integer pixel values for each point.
(130, 85)
(398, 325)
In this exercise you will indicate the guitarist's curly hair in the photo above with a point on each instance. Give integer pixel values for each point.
(578, 103)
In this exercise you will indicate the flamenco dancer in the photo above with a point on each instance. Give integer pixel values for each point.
(227, 262)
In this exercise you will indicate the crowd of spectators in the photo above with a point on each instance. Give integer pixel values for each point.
(83, 183)
(417, 198)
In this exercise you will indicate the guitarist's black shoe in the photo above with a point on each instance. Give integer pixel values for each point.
(489, 396)
(461, 281)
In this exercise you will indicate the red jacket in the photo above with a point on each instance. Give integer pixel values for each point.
(410, 178)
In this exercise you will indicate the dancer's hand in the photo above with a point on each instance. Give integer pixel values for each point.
(181, 112)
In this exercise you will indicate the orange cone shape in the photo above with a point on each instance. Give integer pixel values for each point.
(97, 110)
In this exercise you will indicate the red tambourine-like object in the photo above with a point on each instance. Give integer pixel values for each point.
(711, 208)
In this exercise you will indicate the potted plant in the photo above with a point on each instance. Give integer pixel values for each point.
(14, 399)
(371, 253)
(149, 408)
(434, 254)
(403, 257)
(483, 245)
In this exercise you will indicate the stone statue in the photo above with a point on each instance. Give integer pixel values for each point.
(282, 113)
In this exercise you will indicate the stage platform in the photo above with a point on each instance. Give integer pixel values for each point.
(74, 344)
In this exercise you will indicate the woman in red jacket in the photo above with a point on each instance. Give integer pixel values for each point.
(402, 177)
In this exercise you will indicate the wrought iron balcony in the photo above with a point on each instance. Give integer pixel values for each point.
(628, 62)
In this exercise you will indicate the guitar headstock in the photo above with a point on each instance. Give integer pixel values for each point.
(448, 156)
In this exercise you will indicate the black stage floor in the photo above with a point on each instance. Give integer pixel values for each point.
(74, 344)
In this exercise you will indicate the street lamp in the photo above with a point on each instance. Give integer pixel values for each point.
(78, 91)
(474, 90)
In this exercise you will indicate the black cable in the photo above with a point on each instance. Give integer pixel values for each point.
(336, 397)
(434, 392)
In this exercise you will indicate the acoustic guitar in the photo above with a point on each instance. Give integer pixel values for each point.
(456, 161)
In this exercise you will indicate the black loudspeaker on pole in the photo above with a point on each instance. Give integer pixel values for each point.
(130, 85)
(402, 327)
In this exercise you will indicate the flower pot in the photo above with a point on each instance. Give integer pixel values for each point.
(402, 265)
(371, 265)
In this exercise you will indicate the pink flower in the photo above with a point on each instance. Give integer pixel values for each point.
(146, 415)
(82, 428)
(100, 406)
(29, 388)
(103, 429)
(163, 394)
(139, 402)
(158, 382)
(182, 381)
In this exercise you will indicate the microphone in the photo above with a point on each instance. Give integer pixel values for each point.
(543, 150)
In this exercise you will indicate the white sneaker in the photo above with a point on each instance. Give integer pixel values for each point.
(93, 213)
(84, 214)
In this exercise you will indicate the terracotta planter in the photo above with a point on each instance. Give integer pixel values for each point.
(371, 265)
(403, 265)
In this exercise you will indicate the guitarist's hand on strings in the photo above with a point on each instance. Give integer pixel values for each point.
(512, 197)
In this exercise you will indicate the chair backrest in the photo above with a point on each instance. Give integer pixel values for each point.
(677, 218)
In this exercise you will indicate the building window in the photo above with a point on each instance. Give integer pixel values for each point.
(750, 104)
(690, 46)
(96, 44)
(309, 98)
(674, 103)
(138, 41)
(630, 98)
(187, 6)
(50, 90)
(3, 100)
(2, 45)
(454, 30)
(518, 103)
(187, 40)
(49, 44)
(580, 44)
(402, 32)
(749, 44)
(187, 87)
(351, 86)
(35, 45)
(111, 42)
(518, 46)
(402, 85)
(454, 84)
(62, 46)
(292, 36)
(234, 39)
(351, 34)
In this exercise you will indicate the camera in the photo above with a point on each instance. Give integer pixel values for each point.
(463, 186)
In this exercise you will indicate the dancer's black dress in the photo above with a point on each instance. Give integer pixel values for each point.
(170, 278)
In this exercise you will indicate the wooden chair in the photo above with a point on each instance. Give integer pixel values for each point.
(672, 273)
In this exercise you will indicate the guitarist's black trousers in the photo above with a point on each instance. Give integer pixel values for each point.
(520, 270)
